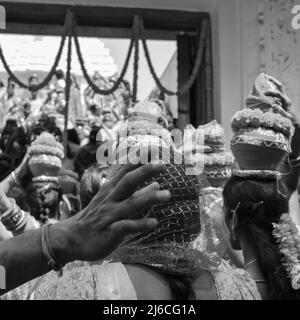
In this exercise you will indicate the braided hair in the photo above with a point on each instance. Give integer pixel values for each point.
(44, 199)
(260, 203)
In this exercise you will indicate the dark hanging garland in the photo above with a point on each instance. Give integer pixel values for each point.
(195, 70)
(67, 91)
(138, 33)
(116, 85)
(48, 78)
(136, 60)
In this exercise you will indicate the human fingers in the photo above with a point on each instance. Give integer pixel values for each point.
(151, 187)
(128, 185)
(123, 228)
(122, 171)
(136, 204)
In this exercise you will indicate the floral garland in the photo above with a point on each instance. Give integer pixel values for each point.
(256, 118)
(288, 238)
(221, 159)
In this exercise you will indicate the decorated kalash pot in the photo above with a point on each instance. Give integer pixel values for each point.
(218, 162)
(46, 156)
(146, 127)
(262, 131)
(169, 247)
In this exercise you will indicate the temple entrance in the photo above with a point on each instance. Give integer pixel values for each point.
(186, 35)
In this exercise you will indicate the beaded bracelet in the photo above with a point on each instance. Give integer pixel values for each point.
(48, 252)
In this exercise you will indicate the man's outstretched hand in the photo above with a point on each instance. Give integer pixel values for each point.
(99, 229)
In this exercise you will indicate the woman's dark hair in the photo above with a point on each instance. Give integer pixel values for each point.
(10, 127)
(59, 74)
(5, 165)
(43, 200)
(48, 124)
(180, 287)
(16, 146)
(92, 180)
(259, 204)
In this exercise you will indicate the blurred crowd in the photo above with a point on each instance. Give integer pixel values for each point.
(92, 120)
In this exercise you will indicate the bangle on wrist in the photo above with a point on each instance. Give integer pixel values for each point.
(48, 251)
(14, 218)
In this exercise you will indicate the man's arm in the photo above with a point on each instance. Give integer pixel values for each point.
(22, 257)
(91, 234)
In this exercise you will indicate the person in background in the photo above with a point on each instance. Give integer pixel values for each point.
(60, 100)
(8, 102)
(16, 146)
(5, 165)
(87, 154)
(50, 104)
(252, 206)
(35, 101)
(94, 101)
(75, 107)
(108, 131)
(60, 79)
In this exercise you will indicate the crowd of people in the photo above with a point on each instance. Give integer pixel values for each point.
(146, 231)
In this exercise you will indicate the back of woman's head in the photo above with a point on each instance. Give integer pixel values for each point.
(5, 165)
(44, 199)
(92, 180)
(257, 205)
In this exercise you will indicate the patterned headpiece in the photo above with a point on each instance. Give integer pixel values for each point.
(170, 247)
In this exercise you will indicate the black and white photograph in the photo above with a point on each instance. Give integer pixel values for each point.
(149, 151)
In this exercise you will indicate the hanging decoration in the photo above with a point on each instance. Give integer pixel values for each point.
(44, 83)
(123, 72)
(138, 33)
(136, 59)
(198, 62)
(67, 91)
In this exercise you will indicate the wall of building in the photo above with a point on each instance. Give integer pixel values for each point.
(249, 36)
(271, 45)
(226, 51)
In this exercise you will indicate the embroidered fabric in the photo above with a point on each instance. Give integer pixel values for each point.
(246, 139)
(234, 284)
(107, 281)
(110, 281)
